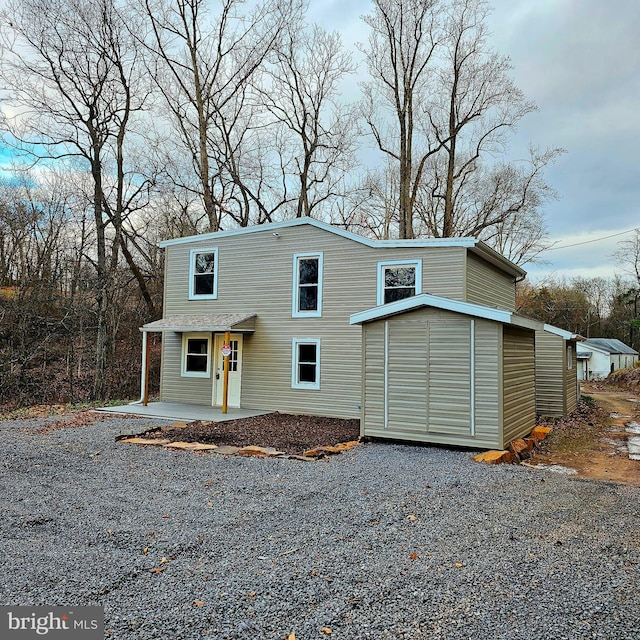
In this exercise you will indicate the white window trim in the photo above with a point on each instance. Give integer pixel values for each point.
(295, 312)
(294, 363)
(398, 263)
(183, 360)
(192, 263)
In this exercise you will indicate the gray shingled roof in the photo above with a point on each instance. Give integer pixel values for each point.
(611, 345)
(214, 322)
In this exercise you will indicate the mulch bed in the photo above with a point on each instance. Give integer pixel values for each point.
(289, 433)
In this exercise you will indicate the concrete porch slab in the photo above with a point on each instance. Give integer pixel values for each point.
(185, 412)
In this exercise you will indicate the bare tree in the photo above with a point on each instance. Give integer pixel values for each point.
(402, 42)
(203, 65)
(301, 91)
(71, 67)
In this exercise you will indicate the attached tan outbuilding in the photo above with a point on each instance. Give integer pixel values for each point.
(557, 386)
(448, 372)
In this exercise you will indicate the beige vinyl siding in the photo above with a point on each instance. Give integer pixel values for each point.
(255, 274)
(519, 383)
(488, 285)
(488, 390)
(175, 387)
(550, 374)
(571, 379)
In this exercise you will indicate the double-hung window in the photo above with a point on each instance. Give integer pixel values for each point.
(305, 373)
(307, 285)
(196, 355)
(399, 280)
(203, 274)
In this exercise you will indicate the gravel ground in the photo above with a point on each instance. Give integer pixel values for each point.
(384, 541)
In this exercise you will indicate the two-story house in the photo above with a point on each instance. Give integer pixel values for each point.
(302, 301)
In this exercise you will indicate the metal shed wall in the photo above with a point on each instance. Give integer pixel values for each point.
(519, 385)
(432, 376)
(556, 376)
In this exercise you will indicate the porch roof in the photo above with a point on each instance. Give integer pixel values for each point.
(237, 322)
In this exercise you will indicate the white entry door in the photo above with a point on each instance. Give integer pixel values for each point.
(235, 370)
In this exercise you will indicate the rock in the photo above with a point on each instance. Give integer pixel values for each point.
(494, 457)
(191, 446)
(540, 433)
(261, 452)
(227, 450)
(150, 441)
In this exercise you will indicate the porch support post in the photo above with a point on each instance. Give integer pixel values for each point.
(144, 370)
(147, 361)
(225, 376)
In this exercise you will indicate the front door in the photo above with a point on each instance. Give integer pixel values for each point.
(235, 370)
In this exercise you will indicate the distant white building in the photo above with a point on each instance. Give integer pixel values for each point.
(598, 357)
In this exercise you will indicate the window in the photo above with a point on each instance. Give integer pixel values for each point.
(196, 355)
(569, 357)
(203, 274)
(307, 285)
(399, 280)
(306, 364)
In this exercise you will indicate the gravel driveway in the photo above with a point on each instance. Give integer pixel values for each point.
(384, 541)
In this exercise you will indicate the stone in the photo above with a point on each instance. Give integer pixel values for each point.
(261, 452)
(191, 446)
(227, 450)
(494, 457)
(149, 441)
(540, 433)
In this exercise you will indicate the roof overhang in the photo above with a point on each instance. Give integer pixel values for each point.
(473, 244)
(447, 304)
(219, 322)
(566, 335)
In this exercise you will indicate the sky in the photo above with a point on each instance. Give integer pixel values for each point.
(579, 61)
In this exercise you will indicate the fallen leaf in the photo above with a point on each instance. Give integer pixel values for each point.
(413, 556)
(164, 560)
(412, 517)
(252, 594)
(291, 636)
(326, 630)
(145, 550)
(198, 603)
(209, 504)
(156, 570)
(459, 565)
(165, 516)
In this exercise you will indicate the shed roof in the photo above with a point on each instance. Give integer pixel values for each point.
(239, 322)
(473, 244)
(567, 335)
(610, 345)
(447, 304)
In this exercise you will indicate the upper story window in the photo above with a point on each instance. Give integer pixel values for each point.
(398, 280)
(203, 274)
(307, 285)
(196, 355)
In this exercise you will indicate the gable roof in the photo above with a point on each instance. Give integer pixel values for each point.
(610, 345)
(475, 245)
(447, 304)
